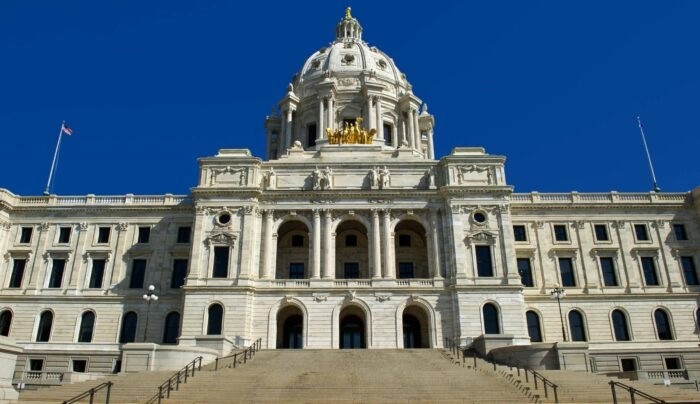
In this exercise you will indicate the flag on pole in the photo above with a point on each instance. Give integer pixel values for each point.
(66, 129)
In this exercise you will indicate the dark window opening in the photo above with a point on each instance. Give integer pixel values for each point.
(601, 232)
(5, 323)
(97, 273)
(351, 270)
(533, 326)
(406, 270)
(608, 268)
(179, 273)
(183, 234)
(144, 234)
(311, 133)
(640, 231)
(387, 135)
(691, 276)
(172, 328)
(620, 326)
(296, 270)
(491, 325)
(138, 273)
(87, 326)
(560, 233)
(103, 235)
(484, 263)
(649, 269)
(351, 240)
(36, 365)
(566, 269)
(297, 240)
(525, 271)
(57, 273)
(404, 240)
(576, 326)
(628, 364)
(128, 331)
(663, 325)
(519, 232)
(673, 363)
(43, 332)
(64, 235)
(215, 319)
(26, 235)
(18, 266)
(79, 365)
(679, 232)
(221, 255)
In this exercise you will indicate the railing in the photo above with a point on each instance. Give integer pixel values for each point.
(666, 374)
(537, 378)
(599, 198)
(633, 392)
(41, 377)
(91, 393)
(174, 382)
(246, 354)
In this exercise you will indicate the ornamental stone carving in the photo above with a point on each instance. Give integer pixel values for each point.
(322, 179)
(220, 238)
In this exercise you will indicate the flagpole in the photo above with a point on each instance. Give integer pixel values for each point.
(55, 154)
(646, 148)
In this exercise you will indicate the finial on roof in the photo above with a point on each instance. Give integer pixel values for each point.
(347, 13)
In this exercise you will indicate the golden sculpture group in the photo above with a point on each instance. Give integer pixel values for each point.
(351, 133)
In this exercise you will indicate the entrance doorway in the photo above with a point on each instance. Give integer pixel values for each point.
(352, 332)
(415, 327)
(290, 328)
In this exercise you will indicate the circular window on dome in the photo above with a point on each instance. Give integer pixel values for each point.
(479, 217)
(223, 218)
(381, 63)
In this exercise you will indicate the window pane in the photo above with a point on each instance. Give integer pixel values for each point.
(183, 234)
(43, 332)
(138, 273)
(691, 276)
(576, 326)
(172, 328)
(560, 233)
(649, 269)
(57, 273)
(128, 331)
(221, 255)
(298, 241)
(179, 273)
(351, 270)
(103, 235)
(640, 231)
(351, 240)
(26, 235)
(17, 273)
(566, 268)
(620, 326)
(525, 271)
(216, 313)
(608, 268)
(679, 231)
(533, 326)
(5, 323)
(663, 325)
(87, 325)
(404, 240)
(491, 325)
(601, 232)
(406, 270)
(144, 234)
(484, 265)
(296, 270)
(311, 135)
(64, 235)
(520, 233)
(387, 134)
(97, 274)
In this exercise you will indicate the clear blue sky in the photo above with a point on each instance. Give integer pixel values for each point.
(150, 86)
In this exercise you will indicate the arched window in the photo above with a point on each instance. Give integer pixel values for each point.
(663, 325)
(172, 328)
(128, 332)
(491, 325)
(5, 323)
(533, 326)
(215, 319)
(87, 326)
(43, 332)
(576, 326)
(620, 326)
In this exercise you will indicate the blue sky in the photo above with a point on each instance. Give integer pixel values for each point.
(148, 87)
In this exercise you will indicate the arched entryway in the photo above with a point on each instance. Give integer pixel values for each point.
(353, 332)
(351, 251)
(290, 328)
(293, 251)
(410, 250)
(416, 331)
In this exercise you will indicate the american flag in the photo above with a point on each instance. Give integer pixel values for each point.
(67, 130)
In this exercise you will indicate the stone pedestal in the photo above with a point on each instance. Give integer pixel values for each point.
(140, 357)
(8, 359)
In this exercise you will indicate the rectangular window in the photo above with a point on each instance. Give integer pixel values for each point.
(144, 234)
(97, 274)
(138, 273)
(640, 232)
(57, 273)
(404, 240)
(566, 269)
(351, 270)
(351, 240)
(296, 270)
(17, 273)
(679, 232)
(221, 255)
(520, 232)
(406, 270)
(103, 235)
(628, 364)
(183, 234)
(560, 233)
(298, 240)
(79, 365)
(607, 266)
(387, 134)
(179, 273)
(36, 365)
(649, 269)
(601, 232)
(311, 135)
(64, 235)
(484, 264)
(525, 271)
(691, 276)
(673, 363)
(25, 236)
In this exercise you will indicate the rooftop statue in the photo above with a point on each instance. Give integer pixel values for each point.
(351, 133)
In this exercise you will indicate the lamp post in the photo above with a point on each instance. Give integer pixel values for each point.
(149, 297)
(557, 293)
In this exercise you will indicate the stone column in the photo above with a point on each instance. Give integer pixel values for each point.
(416, 129)
(118, 264)
(321, 134)
(330, 111)
(376, 246)
(408, 126)
(265, 272)
(389, 267)
(316, 264)
(246, 243)
(288, 128)
(378, 117)
(435, 243)
(327, 248)
(370, 114)
(431, 145)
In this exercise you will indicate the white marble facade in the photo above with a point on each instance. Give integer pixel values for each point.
(362, 241)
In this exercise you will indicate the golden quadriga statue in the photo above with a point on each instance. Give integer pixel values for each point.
(351, 133)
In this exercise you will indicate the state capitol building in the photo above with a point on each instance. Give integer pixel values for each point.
(350, 233)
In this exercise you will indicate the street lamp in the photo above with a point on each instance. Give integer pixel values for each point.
(149, 297)
(557, 293)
